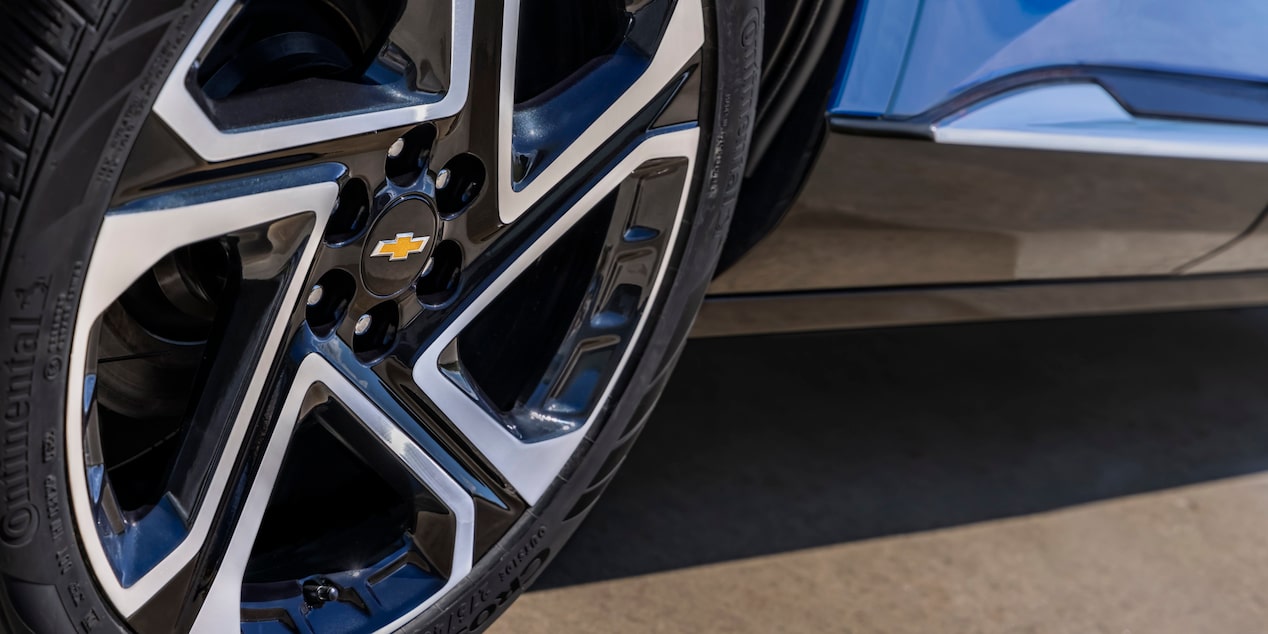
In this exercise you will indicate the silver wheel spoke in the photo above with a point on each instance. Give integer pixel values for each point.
(131, 241)
(532, 466)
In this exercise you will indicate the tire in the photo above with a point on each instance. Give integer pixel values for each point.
(78, 82)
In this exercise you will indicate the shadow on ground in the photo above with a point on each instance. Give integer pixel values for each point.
(769, 444)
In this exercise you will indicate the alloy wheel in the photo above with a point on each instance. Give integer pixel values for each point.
(367, 282)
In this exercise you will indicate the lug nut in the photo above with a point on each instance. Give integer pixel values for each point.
(397, 147)
(314, 295)
(327, 593)
(317, 593)
(442, 179)
(363, 324)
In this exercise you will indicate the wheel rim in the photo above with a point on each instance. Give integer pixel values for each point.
(381, 330)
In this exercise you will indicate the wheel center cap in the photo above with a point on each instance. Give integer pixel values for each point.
(398, 245)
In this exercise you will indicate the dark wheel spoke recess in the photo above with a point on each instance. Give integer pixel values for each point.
(370, 273)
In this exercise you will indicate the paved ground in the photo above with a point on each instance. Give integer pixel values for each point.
(1090, 475)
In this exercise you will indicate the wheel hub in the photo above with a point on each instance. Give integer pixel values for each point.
(398, 246)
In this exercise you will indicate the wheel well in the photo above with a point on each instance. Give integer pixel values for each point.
(803, 45)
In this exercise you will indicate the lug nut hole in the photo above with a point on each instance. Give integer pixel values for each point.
(458, 184)
(328, 300)
(407, 157)
(439, 279)
(374, 333)
(351, 215)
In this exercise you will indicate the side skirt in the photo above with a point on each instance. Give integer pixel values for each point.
(732, 315)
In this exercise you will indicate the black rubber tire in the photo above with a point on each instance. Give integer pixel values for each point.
(77, 79)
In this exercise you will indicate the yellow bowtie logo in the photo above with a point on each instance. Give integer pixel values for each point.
(400, 247)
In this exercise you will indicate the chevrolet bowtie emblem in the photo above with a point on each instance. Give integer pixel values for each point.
(400, 247)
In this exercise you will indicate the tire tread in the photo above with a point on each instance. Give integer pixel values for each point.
(38, 41)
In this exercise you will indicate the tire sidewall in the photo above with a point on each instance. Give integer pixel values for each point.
(105, 95)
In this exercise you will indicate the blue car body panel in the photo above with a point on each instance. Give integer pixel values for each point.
(907, 56)
(1111, 154)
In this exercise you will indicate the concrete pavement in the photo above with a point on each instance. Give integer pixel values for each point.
(1084, 475)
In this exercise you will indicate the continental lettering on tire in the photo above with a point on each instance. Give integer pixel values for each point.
(20, 517)
(21, 511)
